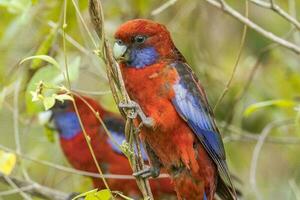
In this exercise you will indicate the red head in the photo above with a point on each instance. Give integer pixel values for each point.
(142, 42)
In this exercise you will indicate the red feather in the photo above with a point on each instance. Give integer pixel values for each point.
(79, 156)
(193, 171)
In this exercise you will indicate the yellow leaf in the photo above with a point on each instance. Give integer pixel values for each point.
(7, 162)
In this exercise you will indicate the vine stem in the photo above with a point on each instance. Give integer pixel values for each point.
(87, 138)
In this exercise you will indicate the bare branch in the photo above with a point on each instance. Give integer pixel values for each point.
(278, 10)
(72, 170)
(238, 134)
(33, 189)
(243, 39)
(265, 132)
(13, 185)
(295, 188)
(269, 35)
(163, 7)
(17, 134)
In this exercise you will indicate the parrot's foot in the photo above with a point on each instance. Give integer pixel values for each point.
(147, 121)
(147, 173)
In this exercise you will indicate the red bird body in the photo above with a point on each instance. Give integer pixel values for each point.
(171, 129)
(183, 137)
(111, 160)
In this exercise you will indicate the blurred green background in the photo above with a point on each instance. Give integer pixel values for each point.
(208, 38)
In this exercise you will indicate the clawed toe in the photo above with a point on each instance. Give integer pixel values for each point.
(147, 173)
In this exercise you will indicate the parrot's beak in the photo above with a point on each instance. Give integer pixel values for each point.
(45, 117)
(120, 52)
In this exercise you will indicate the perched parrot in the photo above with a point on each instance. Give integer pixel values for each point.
(179, 130)
(108, 155)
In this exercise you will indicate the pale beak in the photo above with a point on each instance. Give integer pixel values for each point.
(119, 51)
(44, 117)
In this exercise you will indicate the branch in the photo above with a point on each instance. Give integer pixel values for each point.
(119, 93)
(34, 189)
(163, 7)
(265, 132)
(269, 35)
(243, 39)
(72, 170)
(238, 134)
(278, 10)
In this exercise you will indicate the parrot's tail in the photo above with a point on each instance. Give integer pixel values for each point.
(226, 192)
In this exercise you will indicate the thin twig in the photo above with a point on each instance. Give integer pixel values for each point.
(265, 132)
(238, 134)
(84, 24)
(70, 39)
(278, 10)
(10, 182)
(16, 191)
(88, 141)
(250, 78)
(99, 93)
(32, 188)
(163, 7)
(295, 189)
(72, 170)
(243, 39)
(118, 89)
(16, 125)
(269, 35)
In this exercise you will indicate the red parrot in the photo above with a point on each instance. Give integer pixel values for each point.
(179, 130)
(108, 155)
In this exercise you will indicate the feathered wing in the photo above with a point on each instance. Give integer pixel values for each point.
(116, 126)
(191, 104)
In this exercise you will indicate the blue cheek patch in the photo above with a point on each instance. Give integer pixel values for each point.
(140, 58)
(68, 124)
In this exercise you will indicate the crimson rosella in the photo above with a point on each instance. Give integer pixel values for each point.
(179, 128)
(108, 154)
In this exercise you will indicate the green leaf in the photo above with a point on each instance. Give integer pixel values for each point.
(100, 195)
(7, 162)
(63, 97)
(95, 195)
(44, 48)
(49, 102)
(279, 103)
(44, 58)
(47, 75)
(85, 194)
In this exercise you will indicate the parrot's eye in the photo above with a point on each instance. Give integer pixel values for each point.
(139, 39)
(119, 42)
(63, 105)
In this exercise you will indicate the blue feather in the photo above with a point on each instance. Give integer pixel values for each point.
(204, 196)
(188, 103)
(142, 57)
(68, 124)
(116, 127)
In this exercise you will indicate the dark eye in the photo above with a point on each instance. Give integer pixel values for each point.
(140, 39)
(63, 105)
(119, 42)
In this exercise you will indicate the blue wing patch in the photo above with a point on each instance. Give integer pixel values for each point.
(116, 128)
(204, 196)
(189, 103)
